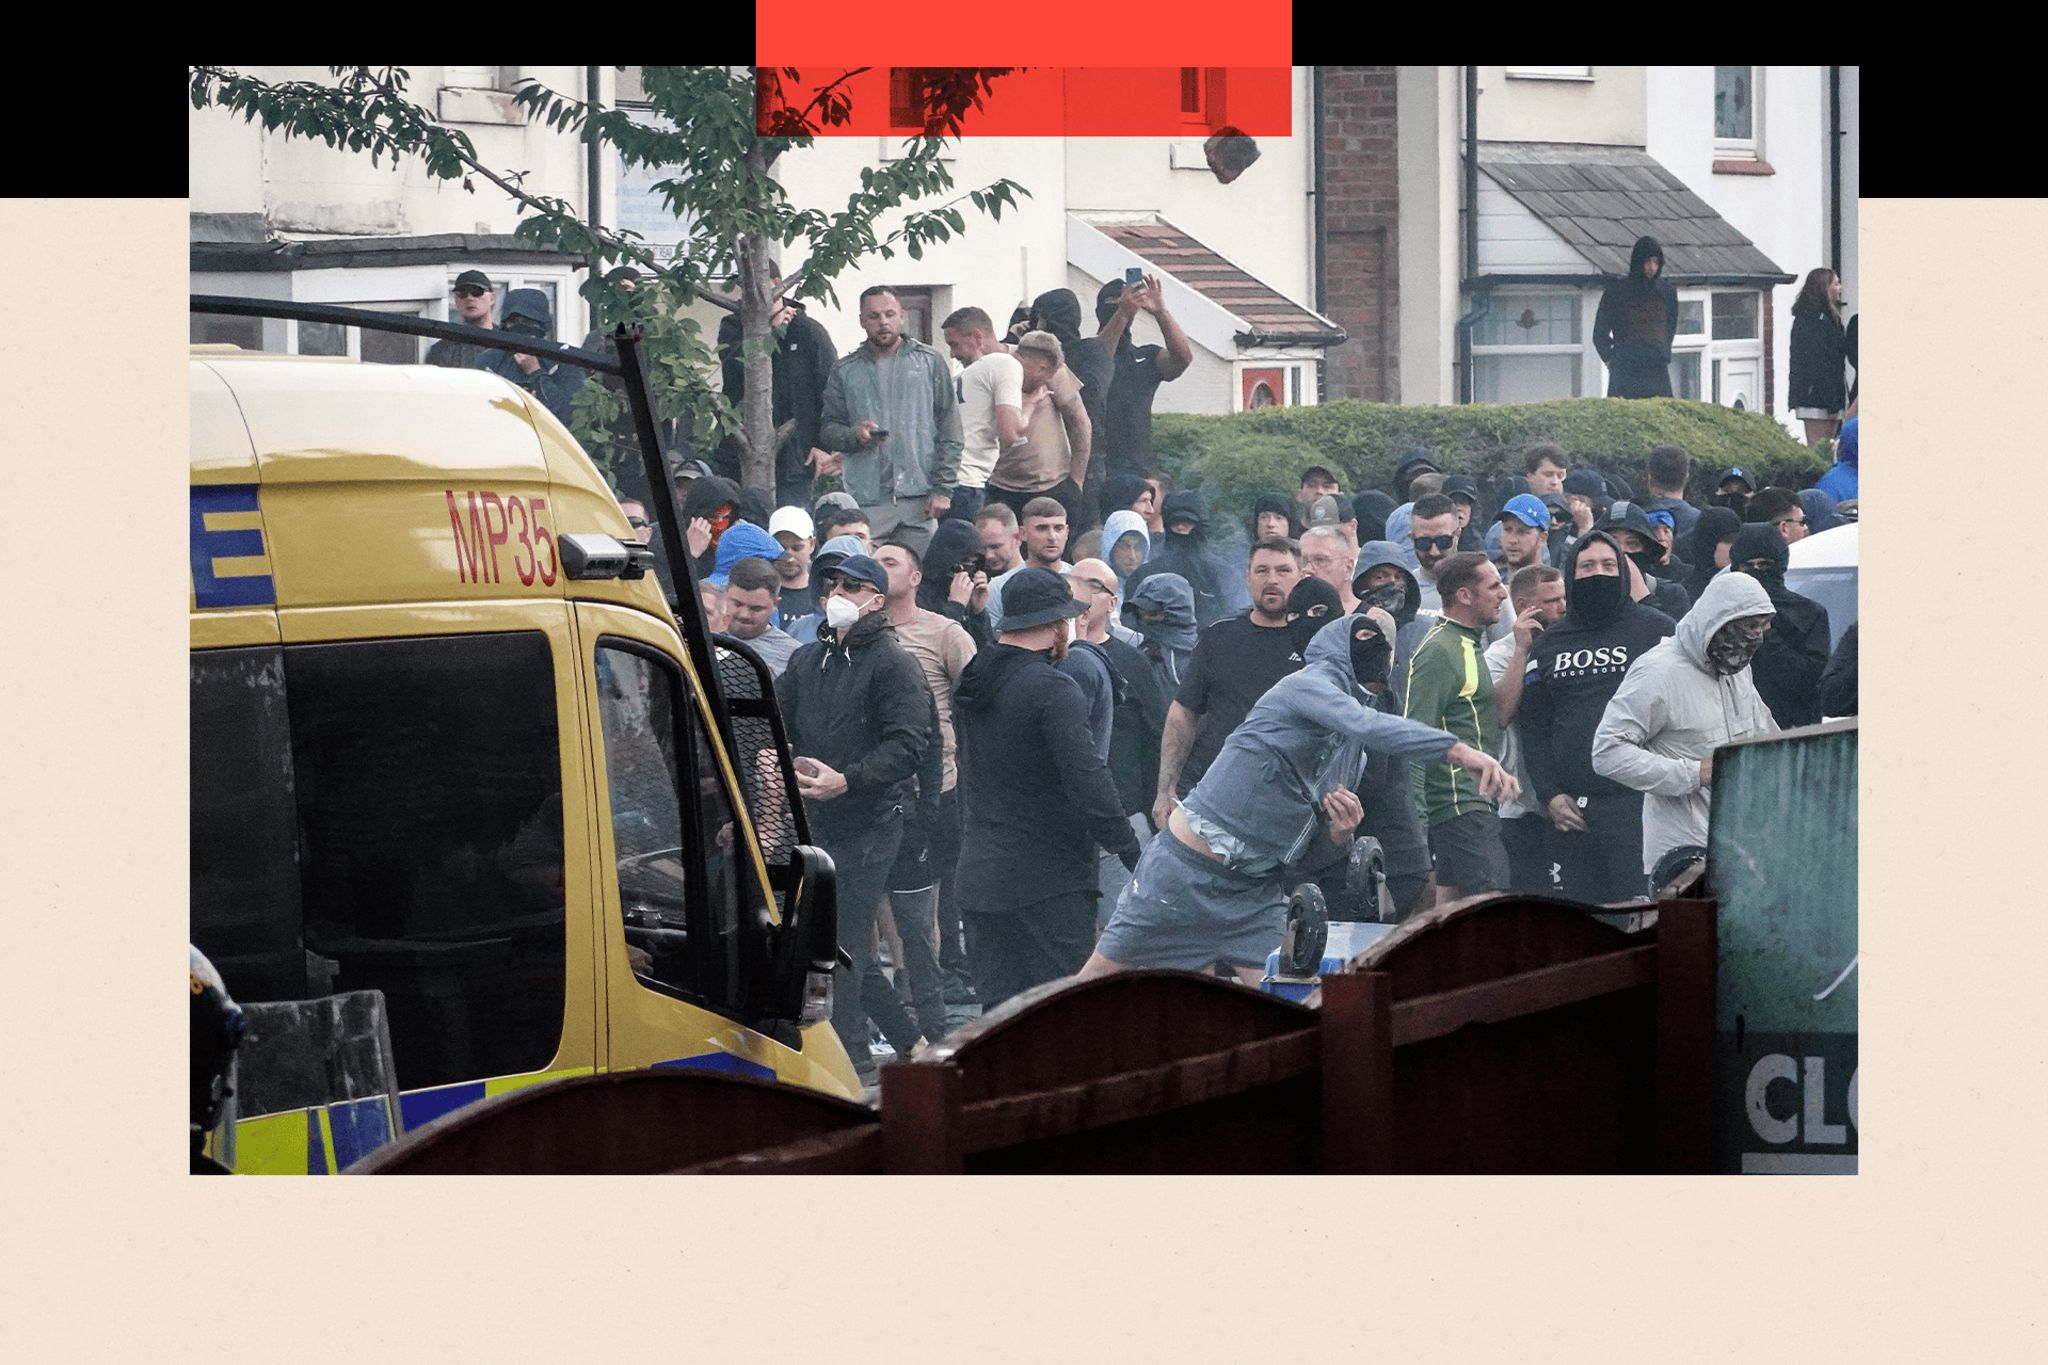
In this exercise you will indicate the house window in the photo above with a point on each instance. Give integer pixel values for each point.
(1717, 356)
(471, 77)
(1529, 348)
(1549, 73)
(1737, 115)
(919, 308)
(1201, 98)
(378, 348)
(1735, 317)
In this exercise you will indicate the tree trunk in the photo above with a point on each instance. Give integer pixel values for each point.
(757, 413)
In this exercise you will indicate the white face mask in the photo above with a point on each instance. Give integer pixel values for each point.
(840, 613)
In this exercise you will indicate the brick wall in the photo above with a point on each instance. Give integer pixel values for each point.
(1361, 277)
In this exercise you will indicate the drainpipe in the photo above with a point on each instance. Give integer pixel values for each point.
(1322, 230)
(593, 166)
(1835, 169)
(1471, 262)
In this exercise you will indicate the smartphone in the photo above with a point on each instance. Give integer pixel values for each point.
(881, 434)
(1134, 274)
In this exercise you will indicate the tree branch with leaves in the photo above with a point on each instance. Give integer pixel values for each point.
(703, 133)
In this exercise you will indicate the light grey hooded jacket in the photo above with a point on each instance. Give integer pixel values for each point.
(1309, 733)
(1672, 710)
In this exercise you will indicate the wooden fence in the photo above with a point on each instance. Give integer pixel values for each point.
(1505, 1035)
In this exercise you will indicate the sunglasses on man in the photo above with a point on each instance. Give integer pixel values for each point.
(1444, 542)
(470, 291)
(839, 582)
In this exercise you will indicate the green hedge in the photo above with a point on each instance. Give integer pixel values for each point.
(1235, 458)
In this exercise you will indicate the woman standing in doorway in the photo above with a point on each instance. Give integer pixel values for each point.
(1816, 390)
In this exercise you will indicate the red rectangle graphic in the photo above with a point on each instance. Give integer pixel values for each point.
(1032, 101)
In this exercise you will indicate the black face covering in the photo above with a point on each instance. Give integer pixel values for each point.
(1738, 503)
(1598, 599)
(1371, 656)
(1312, 605)
(1647, 560)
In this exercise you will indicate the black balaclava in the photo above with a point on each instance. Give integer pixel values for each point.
(1312, 605)
(1760, 540)
(1106, 299)
(1736, 502)
(1373, 657)
(1735, 644)
(1596, 600)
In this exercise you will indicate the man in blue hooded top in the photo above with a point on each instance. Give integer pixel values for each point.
(1212, 886)
(555, 384)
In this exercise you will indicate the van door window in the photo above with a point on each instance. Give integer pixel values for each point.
(245, 855)
(678, 866)
(429, 787)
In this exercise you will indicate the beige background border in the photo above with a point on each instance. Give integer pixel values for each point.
(113, 1254)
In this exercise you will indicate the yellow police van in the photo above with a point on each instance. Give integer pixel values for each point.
(450, 744)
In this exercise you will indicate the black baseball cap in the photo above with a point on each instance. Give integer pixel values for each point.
(1626, 516)
(1036, 597)
(474, 279)
(1462, 486)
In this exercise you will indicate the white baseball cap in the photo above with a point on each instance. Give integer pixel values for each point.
(794, 520)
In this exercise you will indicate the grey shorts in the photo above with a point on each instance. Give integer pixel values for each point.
(1182, 910)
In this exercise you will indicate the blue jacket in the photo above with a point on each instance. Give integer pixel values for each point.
(555, 383)
(1170, 640)
(1308, 734)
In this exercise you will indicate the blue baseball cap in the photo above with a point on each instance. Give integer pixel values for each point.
(1661, 517)
(1528, 509)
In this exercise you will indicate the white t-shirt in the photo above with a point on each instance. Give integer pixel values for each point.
(990, 382)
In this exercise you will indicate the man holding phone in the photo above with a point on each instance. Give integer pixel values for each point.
(1125, 446)
(890, 409)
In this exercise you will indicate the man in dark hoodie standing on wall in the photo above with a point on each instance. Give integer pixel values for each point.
(555, 384)
(860, 720)
(1794, 655)
(1124, 440)
(1596, 824)
(1036, 799)
(1634, 326)
(1213, 887)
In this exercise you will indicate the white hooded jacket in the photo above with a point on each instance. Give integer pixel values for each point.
(1672, 710)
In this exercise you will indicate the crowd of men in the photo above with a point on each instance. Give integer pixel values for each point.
(1048, 719)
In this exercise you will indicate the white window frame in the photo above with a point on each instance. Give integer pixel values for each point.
(1548, 73)
(1711, 351)
(473, 77)
(1750, 148)
(1589, 359)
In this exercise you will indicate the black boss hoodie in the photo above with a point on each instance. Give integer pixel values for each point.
(1576, 666)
